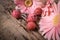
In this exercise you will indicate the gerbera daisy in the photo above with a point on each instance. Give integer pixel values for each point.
(27, 6)
(50, 24)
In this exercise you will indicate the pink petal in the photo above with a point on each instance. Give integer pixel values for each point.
(57, 35)
(19, 2)
(51, 1)
(53, 36)
(59, 6)
(44, 26)
(50, 34)
(58, 29)
(46, 35)
(46, 30)
(22, 8)
(55, 8)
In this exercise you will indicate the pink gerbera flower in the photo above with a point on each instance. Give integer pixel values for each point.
(27, 6)
(50, 24)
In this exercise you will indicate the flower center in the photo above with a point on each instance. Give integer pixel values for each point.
(56, 19)
(28, 3)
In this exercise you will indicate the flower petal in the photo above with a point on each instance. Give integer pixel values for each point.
(46, 30)
(19, 2)
(57, 35)
(55, 8)
(53, 36)
(59, 6)
(50, 34)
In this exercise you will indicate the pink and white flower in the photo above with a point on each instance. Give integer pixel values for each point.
(28, 6)
(50, 24)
